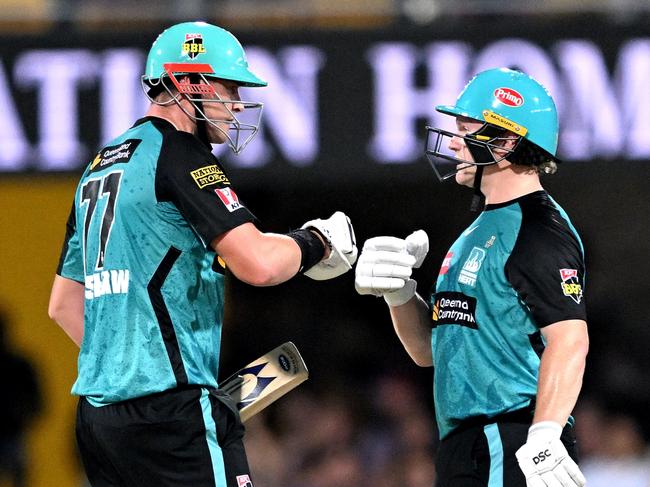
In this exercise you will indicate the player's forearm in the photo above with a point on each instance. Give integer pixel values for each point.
(265, 259)
(72, 325)
(283, 256)
(560, 378)
(275, 259)
(66, 307)
(413, 327)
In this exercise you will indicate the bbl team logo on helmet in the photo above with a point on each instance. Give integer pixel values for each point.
(193, 45)
(571, 285)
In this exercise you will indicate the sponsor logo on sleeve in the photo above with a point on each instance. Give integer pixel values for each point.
(454, 308)
(209, 175)
(571, 286)
(244, 481)
(114, 154)
(472, 265)
(193, 45)
(228, 198)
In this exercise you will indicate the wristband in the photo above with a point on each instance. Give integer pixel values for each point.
(311, 247)
(547, 429)
(401, 296)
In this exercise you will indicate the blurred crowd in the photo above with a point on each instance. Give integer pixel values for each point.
(382, 435)
(21, 15)
(309, 439)
(21, 403)
(614, 450)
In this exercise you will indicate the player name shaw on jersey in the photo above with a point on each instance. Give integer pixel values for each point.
(107, 282)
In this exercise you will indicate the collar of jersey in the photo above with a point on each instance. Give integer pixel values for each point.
(534, 194)
(156, 121)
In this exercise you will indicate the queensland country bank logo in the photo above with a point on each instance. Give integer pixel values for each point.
(571, 286)
(193, 45)
(114, 154)
(454, 308)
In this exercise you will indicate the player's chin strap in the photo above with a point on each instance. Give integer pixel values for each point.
(202, 129)
(479, 145)
(478, 198)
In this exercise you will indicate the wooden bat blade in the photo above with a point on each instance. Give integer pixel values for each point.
(266, 379)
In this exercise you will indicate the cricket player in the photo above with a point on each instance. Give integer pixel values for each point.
(154, 223)
(506, 326)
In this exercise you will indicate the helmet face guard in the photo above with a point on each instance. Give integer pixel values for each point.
(196, 88)
(485, 145)
(505, 101)
(181, 62)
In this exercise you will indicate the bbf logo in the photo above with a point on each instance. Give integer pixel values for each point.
(571, 286)
(541, 456)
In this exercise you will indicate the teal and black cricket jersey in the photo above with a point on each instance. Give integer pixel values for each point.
(517, 268)
(138, 237)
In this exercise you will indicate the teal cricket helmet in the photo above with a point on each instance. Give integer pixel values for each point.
(511, 100)
(182, 60)
(200, 43)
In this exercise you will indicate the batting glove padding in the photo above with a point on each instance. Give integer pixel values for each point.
(545, 461)
(385, 266)
(339, 235)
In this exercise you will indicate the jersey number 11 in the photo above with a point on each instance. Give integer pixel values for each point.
(108, 186)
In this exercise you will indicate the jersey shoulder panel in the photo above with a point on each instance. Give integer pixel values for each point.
(181, 153)
(546, 266)
(192, 178)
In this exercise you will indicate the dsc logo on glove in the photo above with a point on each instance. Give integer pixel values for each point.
(543, 455)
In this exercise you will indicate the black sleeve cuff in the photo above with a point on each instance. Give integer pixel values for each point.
(311, 247)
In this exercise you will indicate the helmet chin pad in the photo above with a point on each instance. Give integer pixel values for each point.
(482, 143)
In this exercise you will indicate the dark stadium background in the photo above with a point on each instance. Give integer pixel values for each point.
(346, 339)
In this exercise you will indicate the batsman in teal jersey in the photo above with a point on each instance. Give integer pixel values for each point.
(506, 326)
(154, 223)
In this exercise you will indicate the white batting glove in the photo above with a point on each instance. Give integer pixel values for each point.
(339, 235)
(545, 461)
(385, 266)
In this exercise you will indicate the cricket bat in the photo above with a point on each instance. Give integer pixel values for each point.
(266, 379)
